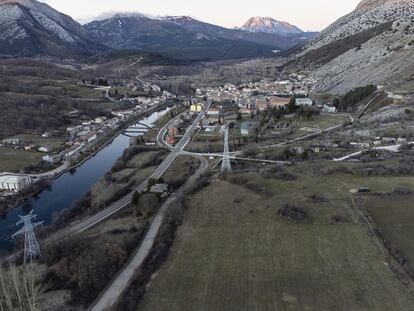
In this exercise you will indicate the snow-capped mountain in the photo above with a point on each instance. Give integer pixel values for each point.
(170, 37)
(372, 44)
(271, 39)
(270, 25)
(31, 28)
(185, 37)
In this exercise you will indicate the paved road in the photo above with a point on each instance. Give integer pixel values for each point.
(126, 200)
(136, 62)
(50, 174)
(361, 113)
(109, 297)
(392, 148)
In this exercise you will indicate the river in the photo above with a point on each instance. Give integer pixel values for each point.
(70, 187)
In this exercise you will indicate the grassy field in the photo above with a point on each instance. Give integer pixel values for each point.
(318, 122)
(395, 216)
(234, 252)
(12, 160)
(54, 142)
(181, 167)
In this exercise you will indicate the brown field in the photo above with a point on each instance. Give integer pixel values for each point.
(234, 252)
(395, 216)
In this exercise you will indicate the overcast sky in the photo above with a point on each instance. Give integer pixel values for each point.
(307, 14)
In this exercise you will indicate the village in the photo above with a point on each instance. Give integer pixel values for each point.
(272, 112)
(80, 140)
(269, 111)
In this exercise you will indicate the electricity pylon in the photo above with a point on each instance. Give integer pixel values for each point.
(226, 164)
(31, 246)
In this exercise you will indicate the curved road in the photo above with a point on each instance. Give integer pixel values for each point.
(109, 297)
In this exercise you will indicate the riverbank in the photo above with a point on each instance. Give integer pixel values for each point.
(67, 189)
(10, 203)
(111, 137)
(137, 163)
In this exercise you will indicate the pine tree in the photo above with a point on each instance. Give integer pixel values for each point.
(135, 198)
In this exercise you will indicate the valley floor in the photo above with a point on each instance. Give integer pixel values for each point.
(234, 252)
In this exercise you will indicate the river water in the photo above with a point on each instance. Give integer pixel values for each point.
(70, 187)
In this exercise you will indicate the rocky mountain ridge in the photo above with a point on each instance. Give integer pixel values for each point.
(373, 44)
(29, 28)
(270, 25)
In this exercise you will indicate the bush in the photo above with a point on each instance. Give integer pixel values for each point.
(402, 191)
(316, 198)
(256, 188)
(285, 176)
(86, 266)
(293, 214)
(147, 205)
(337, 219)
(239, 180)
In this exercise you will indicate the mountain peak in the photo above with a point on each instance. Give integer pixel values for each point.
(31, 28)
(270, 25)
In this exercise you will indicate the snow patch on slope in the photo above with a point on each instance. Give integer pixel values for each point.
(10, 13)
(53, 27)
(14, 33)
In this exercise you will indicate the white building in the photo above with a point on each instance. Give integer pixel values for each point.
(303, 102)
(11, 141)
(11, 182)
(43, 149)
(329, 109)
(72, 151)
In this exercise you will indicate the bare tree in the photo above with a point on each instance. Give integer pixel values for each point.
(20, 289)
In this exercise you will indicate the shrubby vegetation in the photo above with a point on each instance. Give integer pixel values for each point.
(294, 214)
(348, 101)
(86, 265)
(20, 289)
(35, 97)
(145, 205)
(316, 198)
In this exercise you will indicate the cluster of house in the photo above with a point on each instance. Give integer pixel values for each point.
(81, 136)
(173, 131)
(294, 85)
(214, 114)
(277, 94)
(143, 102)
(260, 103)
(16, 143)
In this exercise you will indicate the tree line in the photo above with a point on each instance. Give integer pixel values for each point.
(348, 101)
